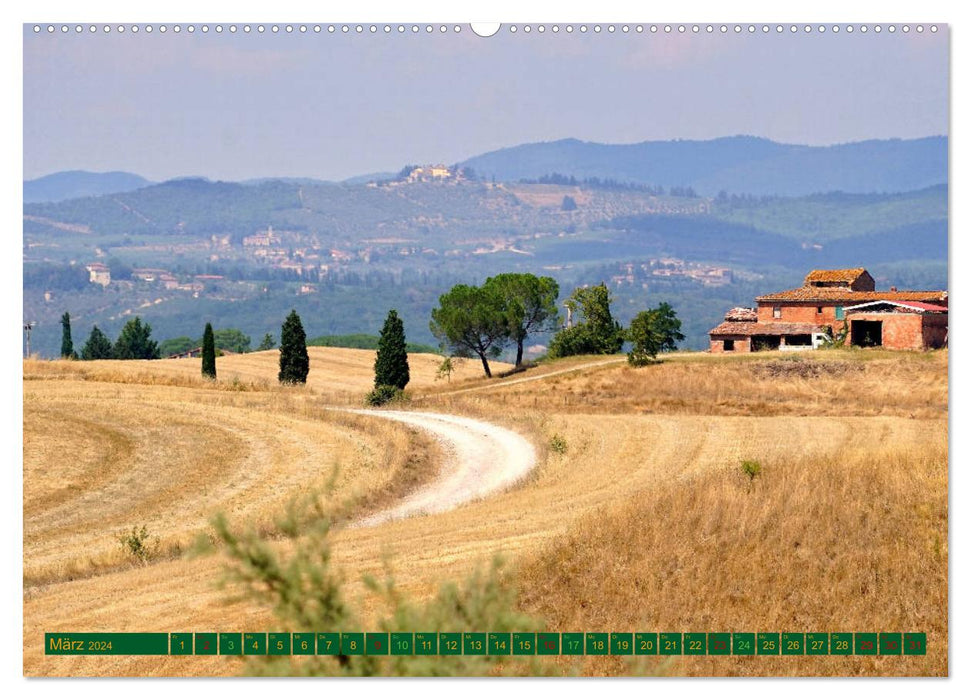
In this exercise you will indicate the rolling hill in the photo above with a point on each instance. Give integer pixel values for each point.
(741, 164)
(72, 184)
(619, 528)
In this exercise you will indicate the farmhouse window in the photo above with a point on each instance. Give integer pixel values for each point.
(776, 312)
(729, 345)
(839, 313)
(819, 309)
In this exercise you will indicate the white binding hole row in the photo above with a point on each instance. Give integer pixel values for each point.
(512, 28)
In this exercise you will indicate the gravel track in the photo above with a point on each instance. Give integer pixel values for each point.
(480, 459)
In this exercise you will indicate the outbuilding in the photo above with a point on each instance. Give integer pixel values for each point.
(897, 325)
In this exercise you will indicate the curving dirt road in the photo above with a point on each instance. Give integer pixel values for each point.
(481, 458)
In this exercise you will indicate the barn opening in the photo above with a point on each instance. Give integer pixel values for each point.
(800, 339)
(867, 334)
(765, 342)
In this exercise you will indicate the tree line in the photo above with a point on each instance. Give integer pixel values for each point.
(470, 321)
(481, 321)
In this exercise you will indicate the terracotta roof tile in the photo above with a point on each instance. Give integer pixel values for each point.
(749, 328)
(740, 313)
(838, 294)
(848, 275)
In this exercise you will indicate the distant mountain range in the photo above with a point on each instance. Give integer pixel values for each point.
(738, 164)
(73, 184)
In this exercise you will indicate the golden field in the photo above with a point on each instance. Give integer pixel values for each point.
(640, 521)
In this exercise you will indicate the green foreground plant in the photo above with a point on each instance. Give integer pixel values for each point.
(306, 594)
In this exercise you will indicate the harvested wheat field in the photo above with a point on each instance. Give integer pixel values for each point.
(637, 516)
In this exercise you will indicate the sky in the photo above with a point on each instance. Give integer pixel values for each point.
(331, 106)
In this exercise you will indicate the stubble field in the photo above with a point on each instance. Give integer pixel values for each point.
(637, 517)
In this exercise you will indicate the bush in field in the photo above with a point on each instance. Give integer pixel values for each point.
(383, 394)
(139, 545)
(445, 369)
(752, 469)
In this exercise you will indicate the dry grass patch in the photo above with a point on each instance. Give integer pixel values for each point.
(851, 539)
(762, 384)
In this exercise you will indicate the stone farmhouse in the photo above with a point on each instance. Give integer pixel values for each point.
(836, 304)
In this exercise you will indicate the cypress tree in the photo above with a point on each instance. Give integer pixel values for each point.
(67, 345)
(294, 361)
(208, 353)
(391, 363)
(98, 347)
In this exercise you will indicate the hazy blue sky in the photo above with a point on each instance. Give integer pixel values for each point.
(332, 106)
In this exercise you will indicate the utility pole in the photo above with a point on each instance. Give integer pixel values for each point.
(27, 328)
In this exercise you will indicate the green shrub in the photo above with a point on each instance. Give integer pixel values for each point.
(751, 469)
(139, 545)
(384, 394)
(305, 592)
(445, 369)
(558, 443)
